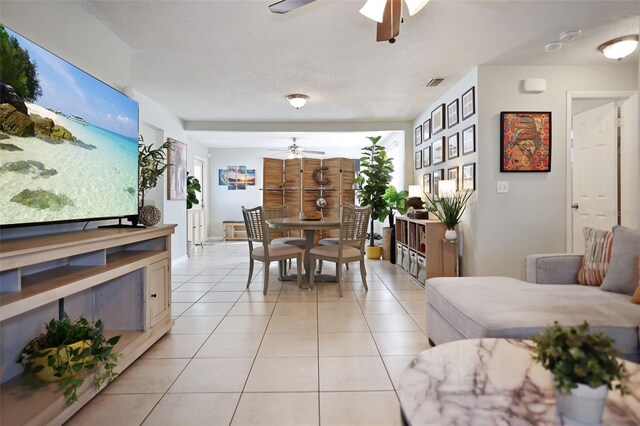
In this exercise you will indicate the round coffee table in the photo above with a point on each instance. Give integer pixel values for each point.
(494, 382)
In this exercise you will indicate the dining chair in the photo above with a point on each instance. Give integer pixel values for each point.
(279, 213)
(350, 248)
(265, 251)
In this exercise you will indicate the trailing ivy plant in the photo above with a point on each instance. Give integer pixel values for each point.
(193, 186)
(152, 163)
(576, 355)
(373, 181)
(69, 364)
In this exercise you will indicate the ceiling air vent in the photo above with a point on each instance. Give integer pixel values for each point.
(433, 82)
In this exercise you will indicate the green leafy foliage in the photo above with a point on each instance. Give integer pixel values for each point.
(395, 201)
(17, 69)
(67, 363)
(449, 209)
(152, 163)
(193, 186)
(575, 355)
(373, 180)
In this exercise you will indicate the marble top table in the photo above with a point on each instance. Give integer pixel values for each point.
(494, 382)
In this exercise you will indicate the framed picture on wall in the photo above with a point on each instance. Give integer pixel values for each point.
(469, 177)
(452, 114)
(418, 159)
(469, 140)
(525, 141)
(426, 183)
(177, 175)
(426, 156)
(437, 151)
(438, 175)
(452, 174)
(418, 135)
(469, 103)
(452, 146)
(437, 120)
(426, 130)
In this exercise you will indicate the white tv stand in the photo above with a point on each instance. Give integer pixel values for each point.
(119, 275)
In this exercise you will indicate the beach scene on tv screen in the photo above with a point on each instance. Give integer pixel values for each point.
(68, 142)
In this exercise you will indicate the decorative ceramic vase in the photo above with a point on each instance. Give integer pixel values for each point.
(61, 355)
(373, 252)
(149, 215)
(450, 234)
(584, 403)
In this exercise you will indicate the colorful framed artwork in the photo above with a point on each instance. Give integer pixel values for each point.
(251, 177)
(426, 183)
(426, 130)
(452, 114)
(525, 141)
(437, 151)
(426, 156)
(453, 146)
(469, 103)
(417, 138)
(222, 177)
(437, 120)
(177, 176)
(452, 174)
(469, 140)
(418, 159)
(469, 177)
(438, 175)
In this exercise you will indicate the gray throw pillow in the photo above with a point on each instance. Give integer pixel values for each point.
(622, 276)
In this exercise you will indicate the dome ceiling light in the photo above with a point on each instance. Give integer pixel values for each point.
(297, 100)
(619, 48)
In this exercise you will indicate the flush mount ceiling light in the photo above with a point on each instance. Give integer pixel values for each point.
(297, 100)
(569, 36)
(552, 47)
(620, 47)
(374, 9)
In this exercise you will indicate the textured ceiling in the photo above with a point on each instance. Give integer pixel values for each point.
(236, 61)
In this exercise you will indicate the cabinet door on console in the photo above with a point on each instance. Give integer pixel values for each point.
(158, 291)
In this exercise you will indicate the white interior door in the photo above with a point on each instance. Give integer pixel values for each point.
(595, 171)
(200, 213)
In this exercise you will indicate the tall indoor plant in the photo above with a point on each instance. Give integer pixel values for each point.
(373, 180)
(395, 201)
(449, 209)
(152, 163)
(193, 186)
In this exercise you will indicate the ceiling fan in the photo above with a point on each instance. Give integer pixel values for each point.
(296, 151)
(387, 13)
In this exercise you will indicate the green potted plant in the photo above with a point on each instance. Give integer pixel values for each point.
(449, 209)
(583, 366)
(152, 163)
(65, 353)
(372, 181)
(193, 186)
(395, 201)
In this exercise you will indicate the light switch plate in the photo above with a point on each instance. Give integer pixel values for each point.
(502, 187)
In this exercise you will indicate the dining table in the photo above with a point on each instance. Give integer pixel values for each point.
(309, 227)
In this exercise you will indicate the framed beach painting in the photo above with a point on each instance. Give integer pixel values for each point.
(469, 140)
(452, 114)
(426, 130)
(417, 137)
(177, 170)
(469, 177)
(452, 146)
(525, 141)
(426, 156)
(418, 159)
(437, 119)
(469, 103)
(437, 151)
(426, 183)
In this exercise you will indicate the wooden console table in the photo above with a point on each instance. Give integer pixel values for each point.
(119, 275)
(236, 228)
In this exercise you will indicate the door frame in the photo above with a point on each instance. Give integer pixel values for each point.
(205, 190)
(571, 96)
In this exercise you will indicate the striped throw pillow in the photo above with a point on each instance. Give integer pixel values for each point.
(597, 255)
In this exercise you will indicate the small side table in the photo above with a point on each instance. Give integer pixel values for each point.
(450, 247)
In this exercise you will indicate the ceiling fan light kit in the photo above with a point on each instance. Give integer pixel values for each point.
(297, 100)
(619, 48)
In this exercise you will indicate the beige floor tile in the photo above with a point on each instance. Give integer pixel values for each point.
(359, 409)
(396, 366)
(382, 307)
(194, 409)
(404, 285)
(178, 308)
(244, 324)
(291, 324)
(353, 374)
(208, 309)
(401, 342)
(176, 346)
(196, 325)
(338, 308)
(205, 279)
(221, 296)
(224, 285)
(110, 410)
(332, 295)
(216, 272)
(253, 308)
(372, 285)
(391, 322)
(204, 375)
(180, 278)
(190, 286)
(147, 376)
(421, 320)
(347, 344)
(289, 345)
(415, 295)
(296, 309)
(342, 323)
(283, 375)
(415, 306)
(186, 296)
(298, 296)
(374, 295)
(277, 409)
(230, 346)
(256, 296)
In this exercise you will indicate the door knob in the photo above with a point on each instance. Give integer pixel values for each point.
(574, 206)
(154, 295)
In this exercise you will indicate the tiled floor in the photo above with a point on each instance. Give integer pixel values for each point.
(292, 357)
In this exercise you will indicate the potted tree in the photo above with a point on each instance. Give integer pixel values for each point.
(395, 201)
(373, 180)
(65, 353)
(193, 186)
(449, 209)
(583, 366)
(152, 163)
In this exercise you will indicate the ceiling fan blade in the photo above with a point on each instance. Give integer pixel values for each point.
(277, 149)
(284, 6)
(311, 151)
(389, 28)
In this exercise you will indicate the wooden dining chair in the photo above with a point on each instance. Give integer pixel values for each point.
(279, 213)
(266, 252)
(350, 248)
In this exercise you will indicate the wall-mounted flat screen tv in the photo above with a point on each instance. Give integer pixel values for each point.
(68, 142)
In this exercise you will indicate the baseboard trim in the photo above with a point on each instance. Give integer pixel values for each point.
(179, 260)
